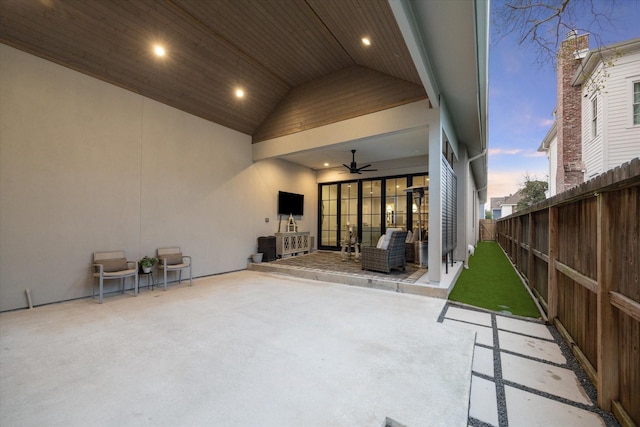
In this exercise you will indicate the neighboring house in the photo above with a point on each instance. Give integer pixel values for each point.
(550, 146)
(505, 206)
(106, 146)
(597, 124)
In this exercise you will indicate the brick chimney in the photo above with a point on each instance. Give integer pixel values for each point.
(569, 112)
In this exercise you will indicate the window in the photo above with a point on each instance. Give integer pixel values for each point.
(636, 103)
(594, 117)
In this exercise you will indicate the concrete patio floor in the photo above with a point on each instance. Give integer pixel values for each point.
(251, 348)
(239, 349)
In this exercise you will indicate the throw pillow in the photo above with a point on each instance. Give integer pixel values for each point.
(380, 242)
(173, 259)
(391, 230)
(385, 244)
(409, 238)
(113, 265)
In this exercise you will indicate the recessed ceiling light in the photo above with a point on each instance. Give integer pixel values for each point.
(159, 50)
(326, 164)
(239, 93)
(366, 41)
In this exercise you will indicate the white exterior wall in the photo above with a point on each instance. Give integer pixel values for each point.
(87, 166)
(592, 147)
(618, 141)
(552, 155)
(623, 139)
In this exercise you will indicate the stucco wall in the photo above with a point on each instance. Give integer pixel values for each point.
(87, 166)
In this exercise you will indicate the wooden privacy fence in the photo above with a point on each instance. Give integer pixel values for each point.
(579, 252)
(487, 230)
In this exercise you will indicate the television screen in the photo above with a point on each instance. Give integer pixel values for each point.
(290, 203)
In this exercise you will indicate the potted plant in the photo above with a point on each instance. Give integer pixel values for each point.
(146, 263)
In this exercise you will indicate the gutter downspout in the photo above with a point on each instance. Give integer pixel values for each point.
(471, 159)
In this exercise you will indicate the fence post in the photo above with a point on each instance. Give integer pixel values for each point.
(531, 260)
(552, 274)
(607, 329)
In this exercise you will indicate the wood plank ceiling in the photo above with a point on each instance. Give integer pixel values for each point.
(286, 55)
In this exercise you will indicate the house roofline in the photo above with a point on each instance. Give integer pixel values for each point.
(595, 57)
(546, 141)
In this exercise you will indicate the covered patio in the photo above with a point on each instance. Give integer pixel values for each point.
(238, 349)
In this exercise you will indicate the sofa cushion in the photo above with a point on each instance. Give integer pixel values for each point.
(115, 264)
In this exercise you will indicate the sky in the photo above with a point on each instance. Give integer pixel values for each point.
(522, 97)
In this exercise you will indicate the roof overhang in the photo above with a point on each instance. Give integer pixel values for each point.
(449, 44)
(606, 53)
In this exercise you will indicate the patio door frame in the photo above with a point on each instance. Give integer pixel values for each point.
(383, 196)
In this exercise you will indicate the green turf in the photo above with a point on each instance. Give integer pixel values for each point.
(492, 283)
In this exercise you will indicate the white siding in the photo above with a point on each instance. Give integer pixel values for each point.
(553, 166)
(592, 147)
(622, 138)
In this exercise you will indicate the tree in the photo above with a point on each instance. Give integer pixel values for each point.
(533, 191)
(488, 214)
(545, 23)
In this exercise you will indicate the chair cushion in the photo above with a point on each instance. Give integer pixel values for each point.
(176, 266)
(173, 259)
(380, 242)
(115, 264)
(129, 272)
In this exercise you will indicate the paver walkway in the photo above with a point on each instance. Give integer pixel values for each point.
(524, 374)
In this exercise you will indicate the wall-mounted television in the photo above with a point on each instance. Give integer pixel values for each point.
(290, 203)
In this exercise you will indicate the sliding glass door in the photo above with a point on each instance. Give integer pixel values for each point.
(369, 207)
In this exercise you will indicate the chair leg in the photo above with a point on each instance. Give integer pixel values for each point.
(180, 277)
(165, 278)
(101, 287)
(136, 285)
(190, 276)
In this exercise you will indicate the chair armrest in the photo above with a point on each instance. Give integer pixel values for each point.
(162, 261)
(100, 268)
(187, 257)
(373, 251)
(135, 264)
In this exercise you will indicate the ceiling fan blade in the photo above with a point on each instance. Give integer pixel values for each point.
(364, 167)
(346, 166)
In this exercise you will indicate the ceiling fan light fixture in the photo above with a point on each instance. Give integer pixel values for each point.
(353, 168)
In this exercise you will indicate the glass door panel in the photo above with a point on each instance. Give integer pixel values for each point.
(329, 215)
(396, 203)
(420, 214)
(371, 212)
(348, 210)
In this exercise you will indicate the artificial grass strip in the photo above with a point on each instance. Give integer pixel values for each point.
(492, 283)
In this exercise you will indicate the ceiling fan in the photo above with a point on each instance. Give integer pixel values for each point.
(354, 167)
